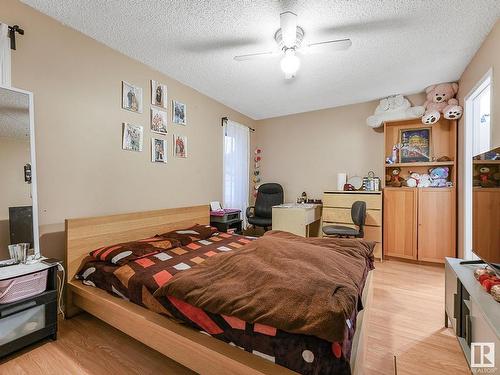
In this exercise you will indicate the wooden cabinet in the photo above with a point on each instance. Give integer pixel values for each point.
(419, 224)
(337, 211)
(436, 224)
(400, 222)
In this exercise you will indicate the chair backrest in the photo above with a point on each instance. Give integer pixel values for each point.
(268, 195)
(358, 214)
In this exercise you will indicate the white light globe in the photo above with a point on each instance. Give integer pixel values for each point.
(290, 63)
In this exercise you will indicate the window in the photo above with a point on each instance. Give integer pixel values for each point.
(477, 139)
(236, 166)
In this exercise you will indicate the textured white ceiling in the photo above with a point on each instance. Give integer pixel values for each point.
(14, 114)
(399, 46)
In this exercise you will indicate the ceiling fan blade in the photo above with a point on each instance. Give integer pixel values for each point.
(255, 56)
(288, 23)
(332, 45)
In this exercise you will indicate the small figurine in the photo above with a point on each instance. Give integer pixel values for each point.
(485, 177)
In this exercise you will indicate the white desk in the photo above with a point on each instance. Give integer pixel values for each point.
(300, 219)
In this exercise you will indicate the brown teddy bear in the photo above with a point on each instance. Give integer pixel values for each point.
(441, 100)
(396, 179)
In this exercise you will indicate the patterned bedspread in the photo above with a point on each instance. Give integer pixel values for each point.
(139, 279)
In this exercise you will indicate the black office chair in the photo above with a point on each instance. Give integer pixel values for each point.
(268, 195)
(358, 215)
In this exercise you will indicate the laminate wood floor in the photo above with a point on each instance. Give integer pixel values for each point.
(406, 321)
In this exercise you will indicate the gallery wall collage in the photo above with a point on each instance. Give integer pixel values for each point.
(133, 135)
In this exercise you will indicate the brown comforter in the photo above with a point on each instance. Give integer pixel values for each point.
(300, 285)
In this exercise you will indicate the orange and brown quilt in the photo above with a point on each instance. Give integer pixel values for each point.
(138, 279)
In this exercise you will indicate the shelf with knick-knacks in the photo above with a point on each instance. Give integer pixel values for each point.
(413, 150)
(420, 190)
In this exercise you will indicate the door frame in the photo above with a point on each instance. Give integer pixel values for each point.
(468, 145)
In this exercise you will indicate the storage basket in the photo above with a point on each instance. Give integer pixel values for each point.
(23, 286)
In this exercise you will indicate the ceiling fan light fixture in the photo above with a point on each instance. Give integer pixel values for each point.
(290, 63)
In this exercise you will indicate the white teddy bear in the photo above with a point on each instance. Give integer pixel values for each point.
(395, 107)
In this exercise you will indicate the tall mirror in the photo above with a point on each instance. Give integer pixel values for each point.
(18, 199)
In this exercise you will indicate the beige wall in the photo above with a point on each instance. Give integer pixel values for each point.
(14, 154)
(488, 56)
(304, 152)
(82, 170)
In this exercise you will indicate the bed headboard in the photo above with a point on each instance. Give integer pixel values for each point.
(86, 234)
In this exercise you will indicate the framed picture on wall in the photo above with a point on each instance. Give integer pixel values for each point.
(158, 150)
(178, 113)
(158, 121)
(131, 97)
(415, 145)
(132, 137)
(158, 94)
(180, 146)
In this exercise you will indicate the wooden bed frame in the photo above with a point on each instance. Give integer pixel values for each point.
(174, 340)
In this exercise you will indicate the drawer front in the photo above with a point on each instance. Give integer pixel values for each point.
(373, 201)
(22, 324)
(343, 215)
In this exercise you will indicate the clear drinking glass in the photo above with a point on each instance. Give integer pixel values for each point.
(22, 252)
(13, 252)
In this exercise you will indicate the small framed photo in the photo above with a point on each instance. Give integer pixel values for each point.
(158, 150)
(180, 146)
(132, 137)
(131, 97)
(158, 94)
(158, 121)
(178, 113)
(415, 145)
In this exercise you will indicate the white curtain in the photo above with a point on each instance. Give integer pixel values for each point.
(236, 167)
(4, 55)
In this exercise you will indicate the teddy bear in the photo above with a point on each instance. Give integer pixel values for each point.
(396, 179)
(439, 176)
(424, 181)
(413, 179)
(395, 107)
(485, 176)
(441, 100)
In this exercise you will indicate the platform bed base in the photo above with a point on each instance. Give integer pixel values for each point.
(192, 349)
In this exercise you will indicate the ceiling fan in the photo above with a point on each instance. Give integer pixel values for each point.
(289, 39)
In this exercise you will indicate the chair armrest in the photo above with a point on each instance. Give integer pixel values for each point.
(249, 211)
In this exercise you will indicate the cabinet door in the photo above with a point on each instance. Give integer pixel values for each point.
(400, 222)
(436, 224)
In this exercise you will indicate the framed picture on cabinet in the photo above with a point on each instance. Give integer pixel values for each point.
(415, 145)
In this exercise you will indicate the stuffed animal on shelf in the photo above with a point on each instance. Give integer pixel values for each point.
(485, 177)
(395, 107)
(396, 179)
(439, 176)
(441, 100)
(413, 179)
(424, 181)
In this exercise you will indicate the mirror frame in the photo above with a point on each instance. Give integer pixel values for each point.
(34, 189)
